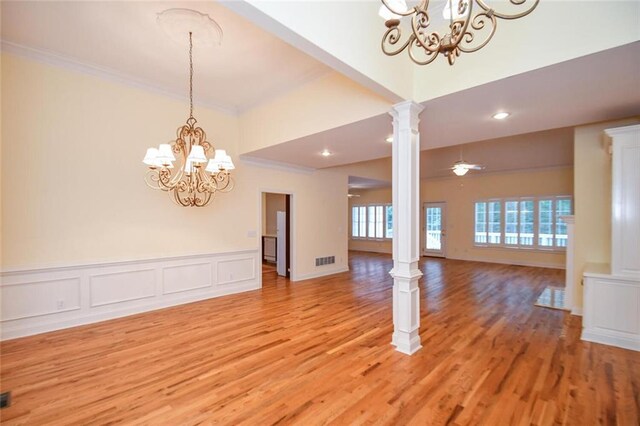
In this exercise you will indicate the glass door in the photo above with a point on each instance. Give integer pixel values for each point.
(435, 229)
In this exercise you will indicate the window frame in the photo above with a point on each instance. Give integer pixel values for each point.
(536, 219)
(366, 221)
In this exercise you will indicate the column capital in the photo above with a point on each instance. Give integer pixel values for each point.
(408, 109)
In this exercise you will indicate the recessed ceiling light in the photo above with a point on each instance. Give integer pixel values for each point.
(390, 139)
(501, 115)
(325, 153)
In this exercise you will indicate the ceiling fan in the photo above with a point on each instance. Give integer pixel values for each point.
(461, 167)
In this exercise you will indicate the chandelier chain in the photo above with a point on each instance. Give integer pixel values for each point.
(190, 74)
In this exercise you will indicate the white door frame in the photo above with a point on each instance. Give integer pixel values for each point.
(292, 228)
(443, 237)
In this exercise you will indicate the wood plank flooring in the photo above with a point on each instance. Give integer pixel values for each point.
(318, 352)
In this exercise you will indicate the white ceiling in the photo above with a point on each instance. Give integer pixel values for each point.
(123, 39)
(597, 87)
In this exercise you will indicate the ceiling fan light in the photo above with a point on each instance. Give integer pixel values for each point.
(501, 115)
(460, 170)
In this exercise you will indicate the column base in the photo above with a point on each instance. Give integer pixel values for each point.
(406, 343)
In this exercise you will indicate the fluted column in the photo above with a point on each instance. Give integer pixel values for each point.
(406, 227)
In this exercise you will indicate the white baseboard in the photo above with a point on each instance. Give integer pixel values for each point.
(41, 300)
(321, 273)
(611, 340)
(511, 262)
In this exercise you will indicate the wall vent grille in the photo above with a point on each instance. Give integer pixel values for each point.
(320, 261)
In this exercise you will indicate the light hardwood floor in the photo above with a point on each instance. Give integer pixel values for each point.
(318, 351)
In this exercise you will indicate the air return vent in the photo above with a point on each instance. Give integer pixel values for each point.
(325, 260)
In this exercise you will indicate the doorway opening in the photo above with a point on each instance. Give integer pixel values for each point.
(276, 234)
(435, 229)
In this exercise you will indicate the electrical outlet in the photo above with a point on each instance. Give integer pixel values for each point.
(60, 304)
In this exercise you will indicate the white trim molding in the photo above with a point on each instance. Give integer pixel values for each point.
(611, 308)
(46, 299)
(75, 65)
(319, 274)
(275, 165)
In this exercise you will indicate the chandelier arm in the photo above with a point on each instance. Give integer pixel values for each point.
(227, 180)
(434, 39)
(483, 5)
(479, 21)
(392, 36)
(229, 184)
(152, 180)
(465, 24)
(431, 55)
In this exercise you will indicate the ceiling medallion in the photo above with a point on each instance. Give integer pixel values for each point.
(467, 32)
(198, 173)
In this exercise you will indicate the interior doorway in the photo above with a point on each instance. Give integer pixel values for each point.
(435, 229)
(276, 234)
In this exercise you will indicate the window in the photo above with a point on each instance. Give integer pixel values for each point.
(374, 221)
(528, 222)
(494, 223)
(388, 229)
(481, 222)
(358, 222)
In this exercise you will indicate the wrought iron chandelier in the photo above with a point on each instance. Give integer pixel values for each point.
(467, 32)
(198, 174)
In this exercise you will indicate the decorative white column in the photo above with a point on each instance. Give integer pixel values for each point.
(570, 277)
(406, 227)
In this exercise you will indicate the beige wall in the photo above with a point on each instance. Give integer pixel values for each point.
(592, 197)
(325, 103)
(459, 194)
(274, 203)
(73, 189)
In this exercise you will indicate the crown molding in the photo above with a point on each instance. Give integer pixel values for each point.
(72, 64)
(277, 165)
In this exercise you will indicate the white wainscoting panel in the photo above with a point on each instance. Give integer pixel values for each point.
(41, 300)
(37, 298)
(119, 287)
(611, 308)
(186, 277)
(236, 270)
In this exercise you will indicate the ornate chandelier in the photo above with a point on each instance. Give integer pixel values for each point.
(467, 32)
(196, 177)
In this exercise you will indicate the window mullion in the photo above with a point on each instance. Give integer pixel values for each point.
(536, 215)
(554, 213)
